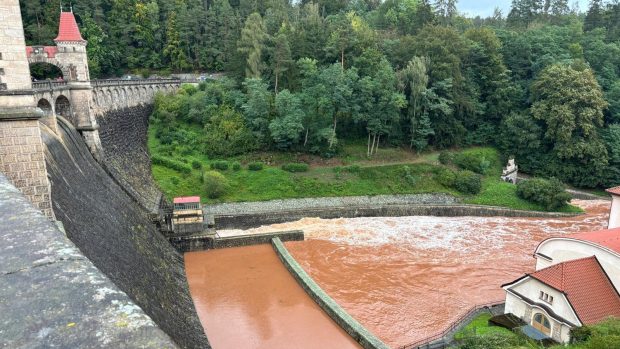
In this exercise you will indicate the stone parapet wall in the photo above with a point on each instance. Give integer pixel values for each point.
(52, 296)
(364, 337)
(22, 161)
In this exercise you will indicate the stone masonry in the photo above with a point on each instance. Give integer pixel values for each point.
(21, 147)
(23, 162)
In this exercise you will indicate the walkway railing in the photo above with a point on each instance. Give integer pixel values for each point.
(124, 82)
(48, 85)
(455, 324)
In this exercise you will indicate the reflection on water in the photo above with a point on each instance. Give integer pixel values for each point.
(407, 278)
(245, 298)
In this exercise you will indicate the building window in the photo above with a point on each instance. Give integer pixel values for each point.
(1, 71)
(0, 56)
(545, 297)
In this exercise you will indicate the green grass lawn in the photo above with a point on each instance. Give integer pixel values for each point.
(480, 327)
(349, 174)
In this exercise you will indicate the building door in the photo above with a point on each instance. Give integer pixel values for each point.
(542, 324)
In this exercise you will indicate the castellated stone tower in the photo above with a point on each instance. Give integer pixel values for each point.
(21, 148)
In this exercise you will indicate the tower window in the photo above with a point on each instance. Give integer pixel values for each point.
(1, 71)
(0, 56)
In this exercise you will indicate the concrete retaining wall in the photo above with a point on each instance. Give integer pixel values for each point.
(253, 220)
(208, 242)
(364, 337)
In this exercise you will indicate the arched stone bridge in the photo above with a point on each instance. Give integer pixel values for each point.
(55, 98)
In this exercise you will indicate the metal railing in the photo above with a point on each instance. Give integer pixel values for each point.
(455, 324)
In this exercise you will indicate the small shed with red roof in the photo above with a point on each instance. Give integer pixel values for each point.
(563, 296)
(187, 215)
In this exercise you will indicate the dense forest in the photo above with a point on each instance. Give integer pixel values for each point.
(541, 83)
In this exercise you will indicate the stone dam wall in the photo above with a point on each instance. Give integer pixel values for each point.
(52, 296)
(123, 133)
(115, 233)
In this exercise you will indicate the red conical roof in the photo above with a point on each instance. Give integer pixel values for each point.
(68, 29)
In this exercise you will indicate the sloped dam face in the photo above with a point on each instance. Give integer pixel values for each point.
(405, 279)
(114, 232)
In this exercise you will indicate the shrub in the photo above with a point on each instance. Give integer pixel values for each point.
(215, 184)
(295, 167)
(580, 334)
(196, 165)
(468, 182)
(408, 176)
(446, 177)
(549, 193)
(353, 169)
(236, 166)
(472, 161)
(446, 157)
(175, 180)
(219, 165)
(171, 164)
(256, 166)
(491, 341)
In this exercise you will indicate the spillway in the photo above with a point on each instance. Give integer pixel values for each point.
(246, 298)
(406, 279)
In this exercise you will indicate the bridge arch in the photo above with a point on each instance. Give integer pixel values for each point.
(45, 71)
(63, 107)
(46, 106)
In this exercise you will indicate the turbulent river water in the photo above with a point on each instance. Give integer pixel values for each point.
(408, 278)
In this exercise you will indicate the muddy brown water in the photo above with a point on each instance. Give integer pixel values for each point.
(246, 298)
(409, 278)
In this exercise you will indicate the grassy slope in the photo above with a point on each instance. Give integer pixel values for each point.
(384, 174)
(480, 327)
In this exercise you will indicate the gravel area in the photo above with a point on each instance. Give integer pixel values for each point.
(300, 204)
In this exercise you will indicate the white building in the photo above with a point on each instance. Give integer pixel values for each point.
(614, 216)
(576, 281)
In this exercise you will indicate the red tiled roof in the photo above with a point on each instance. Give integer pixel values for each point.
(614, 191)
(187, 200)
(609, 238)
(68, 29)
(587, 287)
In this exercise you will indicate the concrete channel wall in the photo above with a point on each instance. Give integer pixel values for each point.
(208, 242)
(364, 337)
(253, 220)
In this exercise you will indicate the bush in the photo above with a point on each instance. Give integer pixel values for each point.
(196, 165)
(219, 165)
(171, 164)
(295, 167)
(549, 193)
(256, 166)
(216, 184)
(492, 341)
(472, 161)
(408, 176)
(175, 180)
(236, 166)
(353, 169)
(468, 182)
(446, 157)
(446, 177)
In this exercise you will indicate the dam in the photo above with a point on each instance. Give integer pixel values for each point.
(84, 265)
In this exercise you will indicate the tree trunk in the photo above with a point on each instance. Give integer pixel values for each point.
(374, 138)
(368, 146)
(377, 146)
(276, 87)
(306, 140)
(342, 59)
